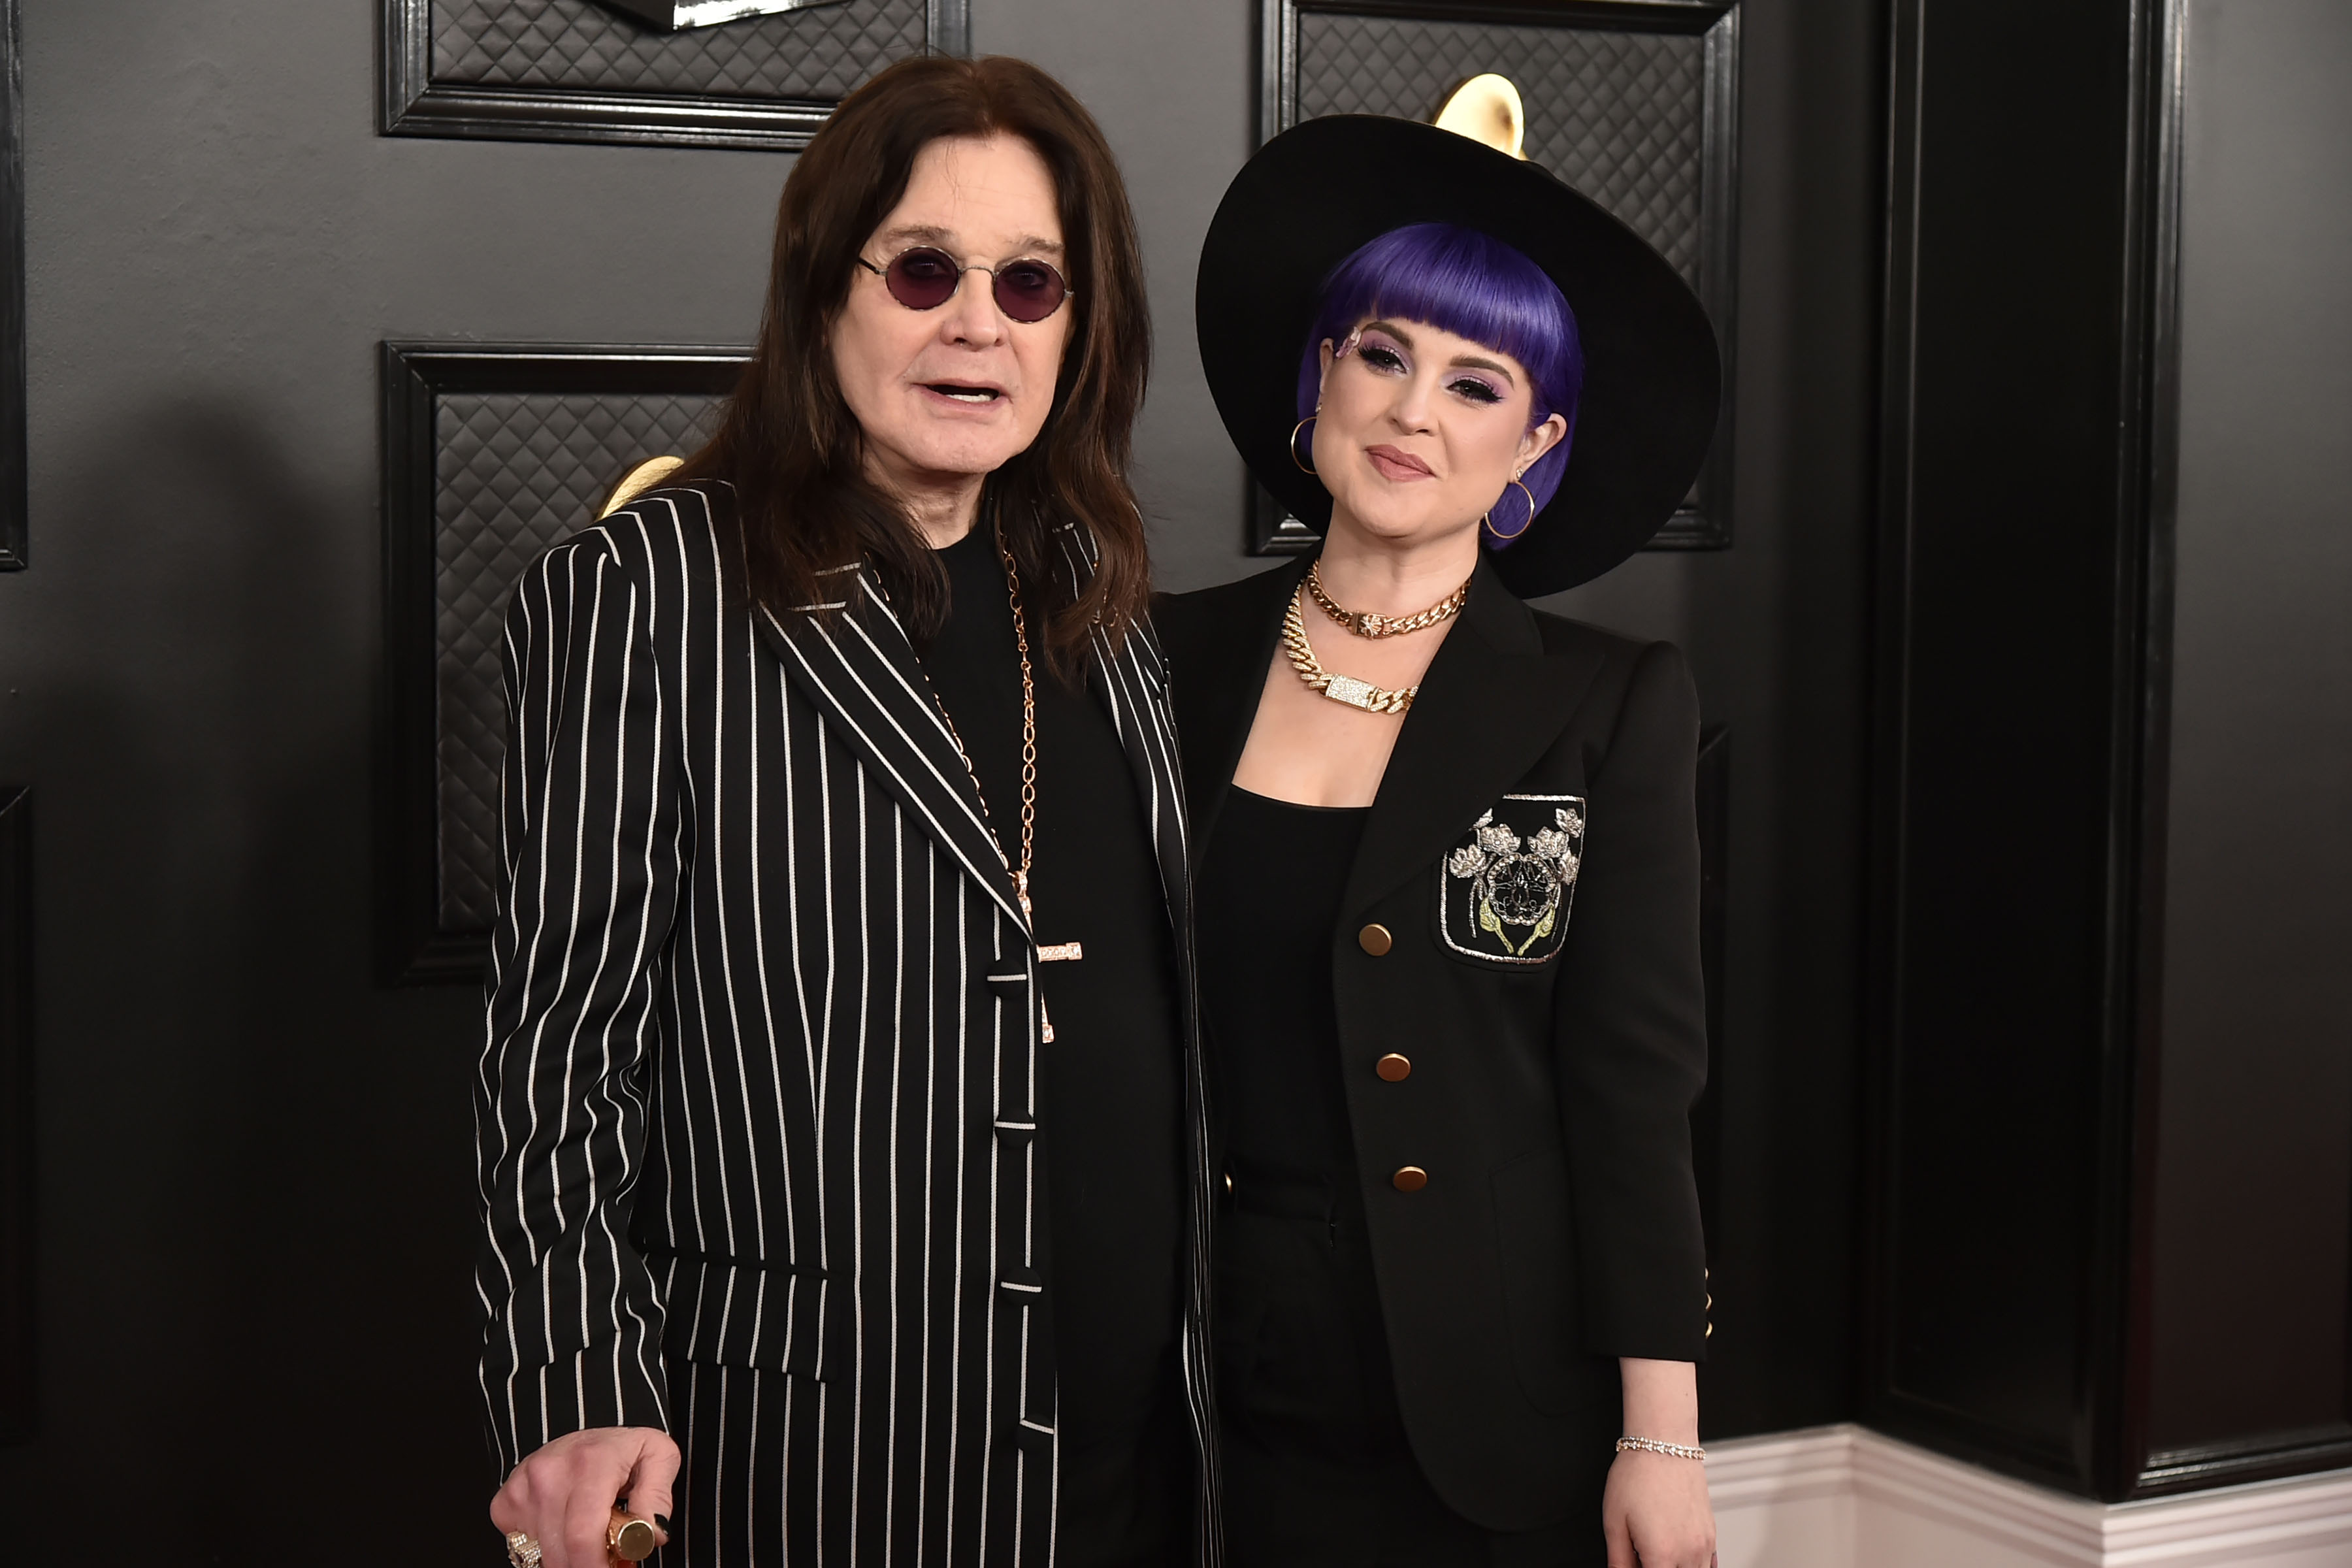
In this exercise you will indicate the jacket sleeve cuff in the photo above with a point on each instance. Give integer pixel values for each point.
(617, 1384)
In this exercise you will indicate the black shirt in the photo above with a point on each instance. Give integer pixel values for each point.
(1265, 985)
(1113, 1095)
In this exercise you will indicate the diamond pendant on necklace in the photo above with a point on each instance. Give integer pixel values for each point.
(1345, 688)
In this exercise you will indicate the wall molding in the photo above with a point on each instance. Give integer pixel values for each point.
(1847, 1497)
(420, 940)
(417, 103)
(2063, 1231)
(14, 464)
(2246, 1459)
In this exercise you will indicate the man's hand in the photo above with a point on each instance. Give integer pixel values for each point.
(562, 1495)
(1654, 1513)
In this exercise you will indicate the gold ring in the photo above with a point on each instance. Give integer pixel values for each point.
(630, 1538)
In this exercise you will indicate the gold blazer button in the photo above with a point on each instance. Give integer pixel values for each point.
(1375, 939)
(1393, 1068)
(1410, 1179)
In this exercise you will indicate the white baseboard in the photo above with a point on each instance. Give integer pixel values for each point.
(1844, 1496)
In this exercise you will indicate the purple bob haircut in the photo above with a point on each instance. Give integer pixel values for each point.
(1473, 286)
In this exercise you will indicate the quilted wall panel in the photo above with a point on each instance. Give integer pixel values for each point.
(514, 472)
(1619, 115)
(818, 54)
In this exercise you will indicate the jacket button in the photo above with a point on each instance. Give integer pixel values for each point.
(1410, 1179)
(1374, 939)
(1393, 1068)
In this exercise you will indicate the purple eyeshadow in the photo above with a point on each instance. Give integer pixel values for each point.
(1476, 286)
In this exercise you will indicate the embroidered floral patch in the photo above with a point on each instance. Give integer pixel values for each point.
(1505, 892)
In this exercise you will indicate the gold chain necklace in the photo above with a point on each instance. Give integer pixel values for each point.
(1047, 952)
(1365, 624)
(1344, 688)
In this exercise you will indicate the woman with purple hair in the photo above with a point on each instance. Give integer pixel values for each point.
(1459, 1284)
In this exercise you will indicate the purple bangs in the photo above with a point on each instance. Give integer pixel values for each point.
(1473, 286)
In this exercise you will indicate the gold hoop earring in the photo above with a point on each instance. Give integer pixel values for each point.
(1294, 429)
(1487, 521)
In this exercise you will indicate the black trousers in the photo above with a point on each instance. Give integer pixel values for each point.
(1318, 1470)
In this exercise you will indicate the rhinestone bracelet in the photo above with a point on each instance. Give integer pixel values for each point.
(1651, 1445)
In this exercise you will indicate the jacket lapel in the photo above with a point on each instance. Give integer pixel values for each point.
(860, 666)
(1491, 703)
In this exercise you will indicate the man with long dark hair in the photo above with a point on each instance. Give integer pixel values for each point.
(841, 1117)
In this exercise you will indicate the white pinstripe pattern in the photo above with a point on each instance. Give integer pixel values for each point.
(758, 1109)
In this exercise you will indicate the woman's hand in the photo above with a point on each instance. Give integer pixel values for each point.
(1654, 1513)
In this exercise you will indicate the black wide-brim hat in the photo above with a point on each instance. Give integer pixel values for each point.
(1314, 195)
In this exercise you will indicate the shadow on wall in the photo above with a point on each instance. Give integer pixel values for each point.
(255, 1207)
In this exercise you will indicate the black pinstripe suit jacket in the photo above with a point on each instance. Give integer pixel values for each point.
(759, 1108)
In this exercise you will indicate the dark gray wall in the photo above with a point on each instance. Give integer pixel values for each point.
(1173, 86)
(256, 1202)
(2254, 1165)
(256, 1207)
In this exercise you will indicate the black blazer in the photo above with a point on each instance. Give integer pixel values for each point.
(758, 1110)
(1557, 1042)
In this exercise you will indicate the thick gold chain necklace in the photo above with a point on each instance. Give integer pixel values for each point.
(1344, 688)
(1365, 624)
(1047, 952)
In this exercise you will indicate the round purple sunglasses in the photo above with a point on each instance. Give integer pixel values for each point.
(925, 278)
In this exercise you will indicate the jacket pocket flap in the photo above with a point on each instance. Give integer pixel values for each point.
(727, 1311)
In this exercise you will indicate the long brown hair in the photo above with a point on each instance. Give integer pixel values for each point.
(794, 452)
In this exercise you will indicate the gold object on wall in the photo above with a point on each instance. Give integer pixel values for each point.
(1488, 109)
(640, 479)
(670, 15)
